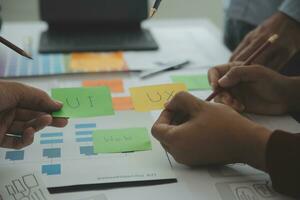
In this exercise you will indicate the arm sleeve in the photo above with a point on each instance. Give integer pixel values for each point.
(291, 8)
(283, 162)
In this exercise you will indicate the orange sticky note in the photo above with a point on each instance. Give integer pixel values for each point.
(122, 103)
(97, 62)
(115, 85)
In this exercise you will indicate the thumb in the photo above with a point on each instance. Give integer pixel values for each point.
(34, 99)
(162, 128)
(184, 103)
(240, 74)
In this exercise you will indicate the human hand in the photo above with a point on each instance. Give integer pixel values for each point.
(209, 133)
(253, 89)
(277, 55)
(24, 110)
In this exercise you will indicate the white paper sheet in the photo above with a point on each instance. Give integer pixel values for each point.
(173, 191)
(195, 44)
(65, 157)
(16, 184)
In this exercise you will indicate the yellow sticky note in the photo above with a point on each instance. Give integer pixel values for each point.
(154, 97)
(97, 62)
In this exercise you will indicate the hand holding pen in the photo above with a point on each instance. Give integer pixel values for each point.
(260, 50)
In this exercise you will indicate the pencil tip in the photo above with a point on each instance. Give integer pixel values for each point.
(152, 12)
(27, 55)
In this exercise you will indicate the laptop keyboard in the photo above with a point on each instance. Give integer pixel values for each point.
(96, 41)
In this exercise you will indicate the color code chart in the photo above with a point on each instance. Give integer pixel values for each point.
(14, 65)
(41, 65)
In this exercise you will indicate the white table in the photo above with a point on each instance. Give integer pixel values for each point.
(201, 182)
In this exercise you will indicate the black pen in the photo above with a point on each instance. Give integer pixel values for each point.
(155, 8)
(173, 66)
(14, 47)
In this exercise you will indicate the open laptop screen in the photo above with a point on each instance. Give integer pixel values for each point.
(93, 11)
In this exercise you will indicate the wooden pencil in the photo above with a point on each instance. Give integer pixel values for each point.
(260, 50)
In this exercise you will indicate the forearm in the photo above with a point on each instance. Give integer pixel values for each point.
(254, 146)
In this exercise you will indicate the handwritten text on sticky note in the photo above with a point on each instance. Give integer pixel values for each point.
(121, 140)
(83, 102)
(154, 97)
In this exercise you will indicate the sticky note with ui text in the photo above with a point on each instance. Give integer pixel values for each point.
(115, 85)
(193, 82)
(154, 97)
(83, 102)
(121, 140)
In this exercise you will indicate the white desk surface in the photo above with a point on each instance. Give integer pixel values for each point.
(200, 182)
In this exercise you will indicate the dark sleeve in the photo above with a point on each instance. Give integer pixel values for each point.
(283, 162)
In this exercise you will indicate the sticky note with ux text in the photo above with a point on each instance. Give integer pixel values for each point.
(83, 102)
(154, 97)
(121, 140)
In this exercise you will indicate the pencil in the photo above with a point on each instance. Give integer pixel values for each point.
(155, 8)
(261, 49)
(14, 47)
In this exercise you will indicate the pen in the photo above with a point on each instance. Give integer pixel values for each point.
(14, 47)
(174, 66)
(155, 8)
(261, 49)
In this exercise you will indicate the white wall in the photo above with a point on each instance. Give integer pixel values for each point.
(27, 10)
(19, 10)
(212, 9)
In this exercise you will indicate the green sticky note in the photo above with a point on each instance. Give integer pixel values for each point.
(83, 102)
(121, 140)
(193, 82)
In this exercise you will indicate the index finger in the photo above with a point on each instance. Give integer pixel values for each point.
(165, 117)
(216, 73)
(236, 55)
(246, 50)
(30, 98)
(161, 129)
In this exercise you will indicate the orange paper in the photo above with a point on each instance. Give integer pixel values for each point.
(122, 103)
(115, 86)
(97, 62)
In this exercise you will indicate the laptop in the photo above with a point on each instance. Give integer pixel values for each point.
(95, 25)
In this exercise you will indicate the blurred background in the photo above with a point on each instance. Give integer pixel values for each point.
(27, 10)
